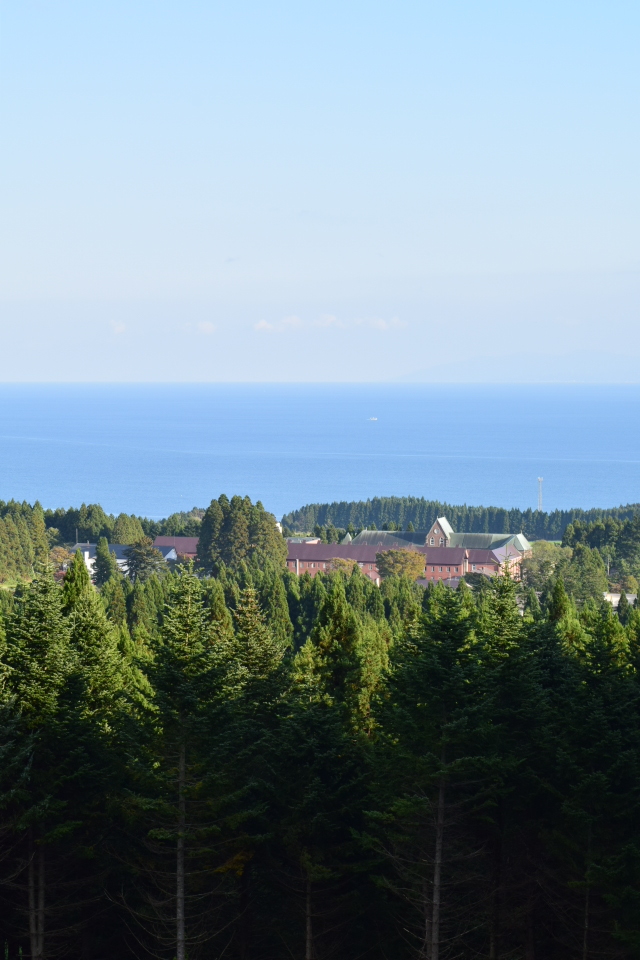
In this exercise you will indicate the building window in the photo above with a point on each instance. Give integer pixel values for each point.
(440, 569)
(473, 566)
(312, 564)
(456, 569)
(432, 541)
(433, 570)
(442, 541)
(448, 569)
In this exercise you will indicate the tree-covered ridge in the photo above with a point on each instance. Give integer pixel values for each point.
(89, 522)
(258, 765)
(380, 512)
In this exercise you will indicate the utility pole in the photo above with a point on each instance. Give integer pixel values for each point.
(540, 479)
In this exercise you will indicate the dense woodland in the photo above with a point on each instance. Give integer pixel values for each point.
(395, 513)
(229, 761)
(28, 533)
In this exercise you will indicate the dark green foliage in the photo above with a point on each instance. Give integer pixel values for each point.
(76, 582)
(317, 766)
(624, 608)
(127, 529)
(380, 512)
(114, 599)
(23, 540)
(236, 532)
(106, 565)
(143, 560)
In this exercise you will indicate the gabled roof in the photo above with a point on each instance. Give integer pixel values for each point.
(168, 553)
(444, 555)
(322, 552)
(389, 539)
(183, 545)
(481, 541)
(445, 526)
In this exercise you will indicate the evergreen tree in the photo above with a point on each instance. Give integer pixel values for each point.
(236, 532)
(106, 565)
(114, 600)
(429, 713)
(143, 560)
(127, 529)
(624, 608)
(76, 582)
(40, 660)
(180, 675)
(259, 652)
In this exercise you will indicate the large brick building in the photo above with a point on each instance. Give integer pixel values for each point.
(448, 555)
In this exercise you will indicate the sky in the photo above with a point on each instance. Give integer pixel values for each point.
(320, 191)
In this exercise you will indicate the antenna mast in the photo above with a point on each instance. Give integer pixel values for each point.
(540, 479)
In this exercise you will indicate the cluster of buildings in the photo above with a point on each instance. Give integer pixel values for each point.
(171, 548)
(448, 555)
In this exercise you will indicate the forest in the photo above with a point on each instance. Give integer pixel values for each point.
(229, 761)
(395, 513)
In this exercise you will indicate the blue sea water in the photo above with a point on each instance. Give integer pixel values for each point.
(155, 449)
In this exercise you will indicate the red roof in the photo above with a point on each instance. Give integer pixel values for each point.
(366, 553)
(186, 546)
(329, 551)
(482, 556)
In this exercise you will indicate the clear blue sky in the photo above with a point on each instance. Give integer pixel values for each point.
(319, 191)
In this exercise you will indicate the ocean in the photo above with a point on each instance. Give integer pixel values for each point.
(155, 449)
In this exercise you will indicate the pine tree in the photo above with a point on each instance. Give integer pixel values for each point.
(428, 751)
(114, 600)
(77, 582)
(127, 529)
(180, 675)
(624, 608)
(259, 652)
(143, 560)
(106, 565)
(40, 660)
(38, 534)
(277, 610)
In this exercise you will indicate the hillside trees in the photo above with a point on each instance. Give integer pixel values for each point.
(237, 531)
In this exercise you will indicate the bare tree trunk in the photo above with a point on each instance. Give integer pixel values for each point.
(427, 907)
(36, 890)
(33, 922)
(585, 929)
(41, 902)
(245, 920)
(437, 873)
(494, 929)
(308, 939)
(182, 817)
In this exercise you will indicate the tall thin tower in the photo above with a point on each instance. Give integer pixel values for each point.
(540, 479)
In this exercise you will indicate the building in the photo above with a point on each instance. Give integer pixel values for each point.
(314, 557)
(441, 563)
(440, 534)
(185, 547)
(448, 555)
(88, 551)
